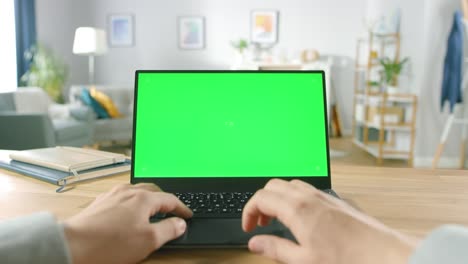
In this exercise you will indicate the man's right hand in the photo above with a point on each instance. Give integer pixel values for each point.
(327, 230)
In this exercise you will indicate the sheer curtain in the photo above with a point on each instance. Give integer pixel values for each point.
(8, 71)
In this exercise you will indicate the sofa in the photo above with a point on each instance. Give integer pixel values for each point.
(110, 129)
(30, 119)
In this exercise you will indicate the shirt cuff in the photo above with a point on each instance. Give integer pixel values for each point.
(447, 244)
(33, 239)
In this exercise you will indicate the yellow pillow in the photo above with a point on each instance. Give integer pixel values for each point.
(106, 102)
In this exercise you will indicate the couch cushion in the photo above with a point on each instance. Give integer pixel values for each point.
(106, 102)
(66, 130)
(32, 100)
(7, 102)
(121, 96)
(90, 101)
(59, 111)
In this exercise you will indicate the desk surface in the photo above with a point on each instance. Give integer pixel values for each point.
(413, 201)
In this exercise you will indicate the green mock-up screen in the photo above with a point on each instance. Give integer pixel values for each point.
(230, 125)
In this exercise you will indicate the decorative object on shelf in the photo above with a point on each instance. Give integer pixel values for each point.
(191, 32)
(46, 71)
(391, 71)
(262, 53)
(309, 55)
(380, 19)
(264, 27)
(121, 30)
(240, 46)
(90, 42)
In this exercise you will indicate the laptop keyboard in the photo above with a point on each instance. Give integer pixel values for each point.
(224, 204)
(217, 205)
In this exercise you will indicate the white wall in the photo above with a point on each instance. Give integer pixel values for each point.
(56, 24)
(330, 26)
(8, 82)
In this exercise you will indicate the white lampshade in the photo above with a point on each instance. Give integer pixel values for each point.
(89, 41)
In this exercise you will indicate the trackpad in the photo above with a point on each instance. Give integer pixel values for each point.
(223, 232)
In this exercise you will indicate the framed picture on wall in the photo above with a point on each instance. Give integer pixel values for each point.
(264, 26)
(121, 30)
(191, 31)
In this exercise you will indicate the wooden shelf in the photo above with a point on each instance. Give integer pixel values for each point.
(365, 66)
(387, 153)
(381, 37)
(384, 141)
(388, 126)
(394, 97)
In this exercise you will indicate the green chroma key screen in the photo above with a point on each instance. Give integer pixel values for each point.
(240, 124)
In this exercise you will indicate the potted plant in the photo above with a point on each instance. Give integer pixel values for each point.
(45, 71)
(240, 46)
(391, 71)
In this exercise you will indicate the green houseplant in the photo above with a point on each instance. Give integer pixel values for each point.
(46, 71)
(240, 45)
(391, 70)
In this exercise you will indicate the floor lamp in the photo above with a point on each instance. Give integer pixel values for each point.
(90, 42)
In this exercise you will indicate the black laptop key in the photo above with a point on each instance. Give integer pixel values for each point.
(197, 210)
(212, 205)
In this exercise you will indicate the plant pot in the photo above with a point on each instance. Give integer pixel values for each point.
(239, 58)
(392, 89)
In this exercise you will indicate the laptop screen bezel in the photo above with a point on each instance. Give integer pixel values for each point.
(224, 184)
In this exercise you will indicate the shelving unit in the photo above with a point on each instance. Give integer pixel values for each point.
(383, 123)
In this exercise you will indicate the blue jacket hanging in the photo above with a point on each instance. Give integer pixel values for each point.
(453, 65)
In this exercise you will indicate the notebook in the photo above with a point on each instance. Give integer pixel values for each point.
(67, 159)
(59, 177)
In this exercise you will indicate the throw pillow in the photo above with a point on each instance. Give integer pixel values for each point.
(105, 101)
(91, 102)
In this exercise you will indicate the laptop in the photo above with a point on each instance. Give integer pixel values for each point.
(213, 138)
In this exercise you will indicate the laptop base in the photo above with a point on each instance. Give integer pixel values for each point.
(225, 232)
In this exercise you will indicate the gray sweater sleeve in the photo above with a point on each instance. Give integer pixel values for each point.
(447, 244)
(33, 239)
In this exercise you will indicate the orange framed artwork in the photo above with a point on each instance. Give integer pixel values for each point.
(264, 26)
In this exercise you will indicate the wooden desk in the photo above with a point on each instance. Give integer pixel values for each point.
(410, 200)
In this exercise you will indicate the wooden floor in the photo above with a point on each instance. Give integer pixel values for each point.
(357, 156)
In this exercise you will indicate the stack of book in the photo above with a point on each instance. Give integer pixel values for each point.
(64, 165)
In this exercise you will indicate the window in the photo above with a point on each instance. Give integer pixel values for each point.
(8, 80)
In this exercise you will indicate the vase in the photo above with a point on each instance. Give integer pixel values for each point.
(392, 89)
